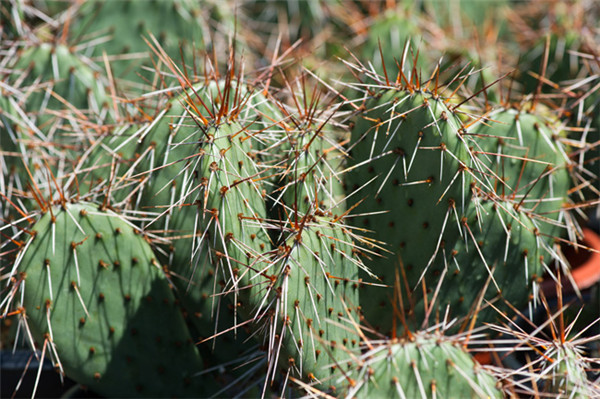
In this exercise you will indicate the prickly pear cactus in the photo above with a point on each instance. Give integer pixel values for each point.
(121, 26)
(411, 161)
(310, 162)
(228, 212)
(302, 19)
(59, 78)
(96, 302)
(565, 372)
(498, 242)
(314, 288)
(453, 13)
(397, 33)
(523, 152)
(423, 367)
(551, 50)
(236, 213)
(199, 179)
(12, 19)
(587, 116)
(50, 89)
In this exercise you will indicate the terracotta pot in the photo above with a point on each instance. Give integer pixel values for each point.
(483, 358)
(585, 266)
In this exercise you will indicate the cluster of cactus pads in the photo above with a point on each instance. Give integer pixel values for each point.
(327, 198)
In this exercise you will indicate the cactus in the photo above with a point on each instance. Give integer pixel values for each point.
(302, 20)
(567, 373)
(315, 290)
(455, 13)
(64, 76)
(122, 26)
(307, 155)
(48, 92)
(531, 164)
(412, 146)
(550, 46)
(558, 354)
(45, 78)
(425, 366)
(584, 114)
(225, 219)
(498, 241)
(95, 299)
(12, 19)
(326, 239)
(391, 31)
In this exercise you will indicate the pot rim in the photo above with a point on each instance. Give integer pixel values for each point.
(584, 275)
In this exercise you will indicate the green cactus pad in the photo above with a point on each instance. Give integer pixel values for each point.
(393, 30)
(565, 373)
(314, 293)
(303, 19)
(561, 65)
(458, 14)
(67, 74)
(423, 367)
(590, 139)
(123, 25)
(308, 182)
(524, 153)
(153, 153)
(500, 251)
(178, 166)
(96, 294)
(223, 218)
(49, 92)
(412, 148)
(186, 169)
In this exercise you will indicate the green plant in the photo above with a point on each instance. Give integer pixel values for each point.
(423, 366)
(271, 228)
(95, 300)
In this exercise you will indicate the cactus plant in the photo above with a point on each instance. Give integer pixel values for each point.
(536, 168)
(410, 152)
(95, 298)
(121, 26)
(290, 230)
(422, 367)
